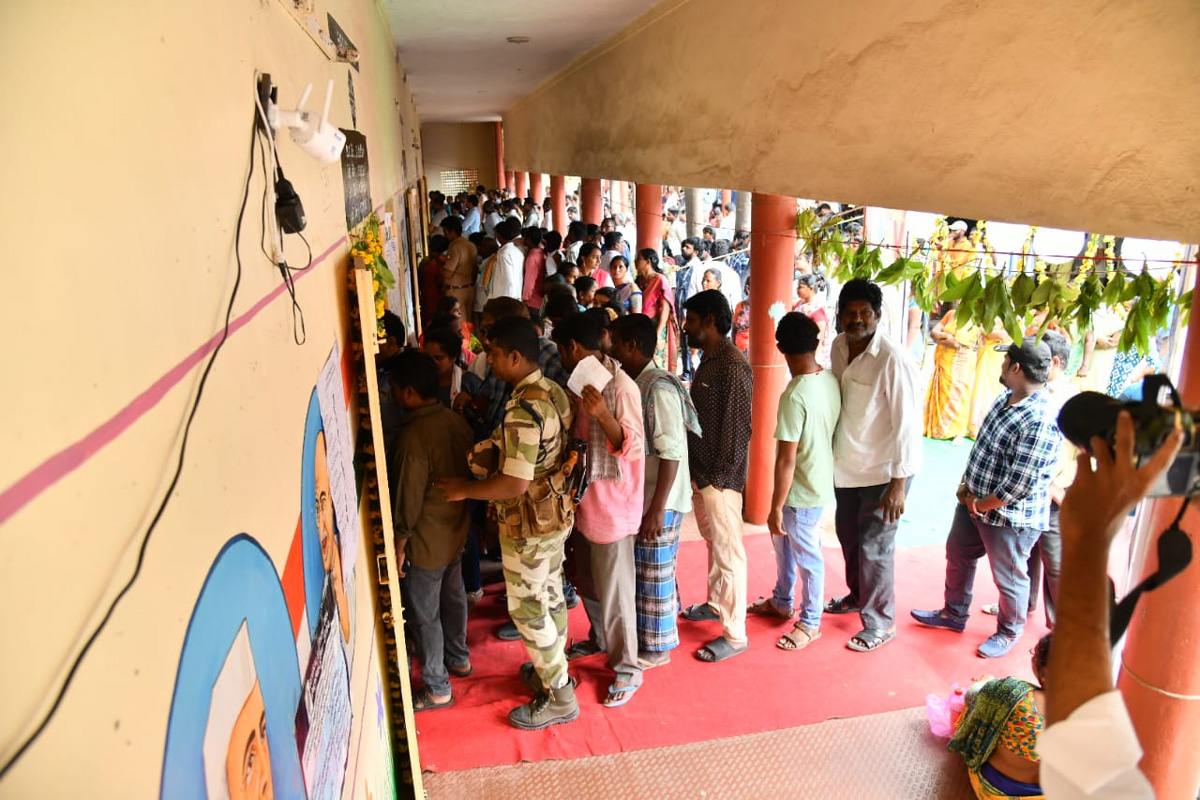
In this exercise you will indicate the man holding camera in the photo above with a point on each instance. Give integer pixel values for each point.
(1004, 500)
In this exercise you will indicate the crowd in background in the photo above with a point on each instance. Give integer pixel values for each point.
(487, 425)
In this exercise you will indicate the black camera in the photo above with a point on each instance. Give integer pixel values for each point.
(1090, 414)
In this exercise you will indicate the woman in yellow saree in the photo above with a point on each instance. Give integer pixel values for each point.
(948, 400)
(987, 377)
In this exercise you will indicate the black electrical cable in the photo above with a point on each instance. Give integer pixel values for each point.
(299, 333)
(299, 336)
(170, 488)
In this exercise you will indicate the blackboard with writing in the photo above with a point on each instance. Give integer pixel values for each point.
(356, 180)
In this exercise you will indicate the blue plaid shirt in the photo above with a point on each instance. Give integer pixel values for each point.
(1014, 459)
(740, 263)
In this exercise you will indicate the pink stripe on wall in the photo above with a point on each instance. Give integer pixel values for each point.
(70, 458)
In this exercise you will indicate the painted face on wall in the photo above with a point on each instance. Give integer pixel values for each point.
(331, 556)
(324, 504)
(248, 762)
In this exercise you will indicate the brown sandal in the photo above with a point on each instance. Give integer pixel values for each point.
(798, 638)
(764, 607)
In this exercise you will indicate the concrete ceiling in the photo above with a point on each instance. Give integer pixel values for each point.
(462, 69)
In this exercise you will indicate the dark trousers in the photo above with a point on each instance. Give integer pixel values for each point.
(472, 578)
(869, 547)
(438, 607)
(1044, 564)
(1007, 549)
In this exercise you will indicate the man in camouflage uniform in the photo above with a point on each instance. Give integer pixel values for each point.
(531, 443)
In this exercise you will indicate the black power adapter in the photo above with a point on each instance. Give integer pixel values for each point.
(288, 208)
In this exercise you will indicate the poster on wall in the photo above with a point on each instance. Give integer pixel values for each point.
(262, 704)
(391, 227)
(356, 180)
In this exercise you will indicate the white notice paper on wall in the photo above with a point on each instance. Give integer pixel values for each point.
(589, 372)
(339, 450)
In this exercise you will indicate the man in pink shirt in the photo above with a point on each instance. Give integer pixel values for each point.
(533, 287)
(610, 421)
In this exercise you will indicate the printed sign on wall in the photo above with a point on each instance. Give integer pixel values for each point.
(356, 179)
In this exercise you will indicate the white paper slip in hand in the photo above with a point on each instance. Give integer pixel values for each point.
(589, 372)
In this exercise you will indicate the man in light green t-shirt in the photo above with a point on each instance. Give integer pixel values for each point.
(808, 414)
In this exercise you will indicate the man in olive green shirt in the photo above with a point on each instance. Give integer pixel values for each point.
(430, 530)
(808, 415)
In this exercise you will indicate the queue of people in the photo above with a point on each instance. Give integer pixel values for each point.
(512, 437)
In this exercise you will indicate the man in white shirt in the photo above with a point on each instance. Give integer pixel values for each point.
(438, 206)
(533, 215)
(1089, 748)
(471, 219)
(675, 233)
(877, 451)
(576, 236)
(508, 273)
(731, 283)
(490, 219)
(613, 247)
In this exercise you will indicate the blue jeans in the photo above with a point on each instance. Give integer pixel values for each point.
(1007, 549)
(800, 549)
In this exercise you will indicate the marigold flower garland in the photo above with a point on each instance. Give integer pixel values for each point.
(368, 248)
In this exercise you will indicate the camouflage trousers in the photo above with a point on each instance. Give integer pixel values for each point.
(533, 578)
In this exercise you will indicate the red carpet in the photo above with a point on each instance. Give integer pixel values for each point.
(763, 689)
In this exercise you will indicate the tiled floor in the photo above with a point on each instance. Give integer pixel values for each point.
(889, 755)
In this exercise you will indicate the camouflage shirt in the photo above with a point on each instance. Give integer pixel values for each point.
(532, 448)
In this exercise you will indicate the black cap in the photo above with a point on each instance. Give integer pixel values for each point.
(1029, 353)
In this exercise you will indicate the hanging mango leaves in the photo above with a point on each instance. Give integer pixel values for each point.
(1069, 292)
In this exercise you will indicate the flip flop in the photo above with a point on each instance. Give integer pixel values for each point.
(766, 608)
(870, 639)
(719, 649)
(841, 605)
(619, 697)
(423, 701)
(701, 612)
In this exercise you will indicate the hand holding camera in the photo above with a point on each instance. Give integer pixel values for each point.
(1104, 494)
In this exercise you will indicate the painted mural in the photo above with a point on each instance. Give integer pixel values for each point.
(263, 701)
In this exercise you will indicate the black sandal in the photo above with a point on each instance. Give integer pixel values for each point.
(423, 701)
(842, 605)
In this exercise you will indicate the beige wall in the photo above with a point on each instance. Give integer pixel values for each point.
(124, 150)
(1075, 114)
(466, 145)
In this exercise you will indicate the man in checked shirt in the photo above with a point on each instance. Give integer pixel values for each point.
(1004, 499)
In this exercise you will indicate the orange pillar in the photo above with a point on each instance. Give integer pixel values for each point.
(558, 200)
(1160, 670)
(510, 180)
(772, 244)
(591, 200)
(500, 155)
(522, 185)
(726, 197)
(648, 208)
(535, 188)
